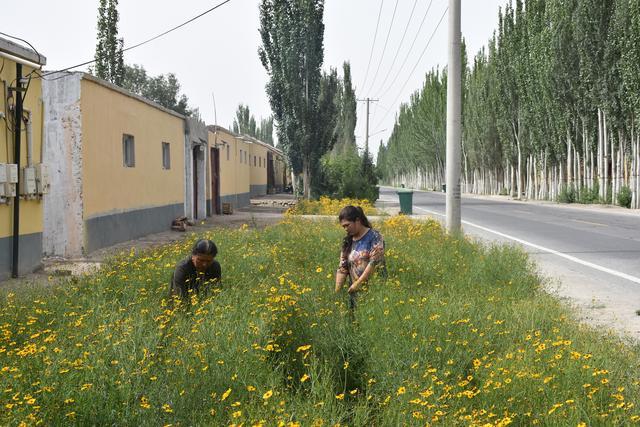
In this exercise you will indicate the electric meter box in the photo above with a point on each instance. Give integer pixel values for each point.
(12, 173)
(42, 178)
(3, 174)
(9, 189)
(28, 181)
(3, 178)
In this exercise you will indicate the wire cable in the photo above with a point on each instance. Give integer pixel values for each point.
(384, 48)
(148, 40)
(373, 45)
(393, 62)
(404, 62)
(24, 41)
(415, 66)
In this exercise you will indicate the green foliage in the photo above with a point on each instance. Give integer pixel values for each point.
(624, 197)
(292, 52)
(589, 196)
(567, 194)
(163, 89)
(459, 333)
(245, 124)
(109, 58)
(346, 99)
(347, 175)
(549, 72)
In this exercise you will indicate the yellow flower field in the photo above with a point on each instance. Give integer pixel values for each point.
(457, 334)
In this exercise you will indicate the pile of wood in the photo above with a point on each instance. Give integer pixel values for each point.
(181, 223)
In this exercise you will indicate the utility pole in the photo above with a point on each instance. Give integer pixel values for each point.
(17, 133)
(454, 119)
(368, 101)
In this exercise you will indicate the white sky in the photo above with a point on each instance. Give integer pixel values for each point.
(218, 52)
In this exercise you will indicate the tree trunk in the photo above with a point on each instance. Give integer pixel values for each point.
(306, 185)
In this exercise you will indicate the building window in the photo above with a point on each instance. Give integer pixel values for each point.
(260, 161)
(128, 151)
(255, 163)
(228, 152)
(245, 158)
(166, 156)
(241, 158)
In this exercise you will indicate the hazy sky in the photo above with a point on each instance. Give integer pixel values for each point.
(218, 52)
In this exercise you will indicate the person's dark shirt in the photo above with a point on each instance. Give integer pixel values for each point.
(186, 278)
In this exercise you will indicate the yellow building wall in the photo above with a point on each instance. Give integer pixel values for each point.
(30, 210)
(258, 164)
(109, 186)
(234, 169)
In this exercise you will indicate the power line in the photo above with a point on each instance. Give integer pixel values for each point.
(373, 45)
(404, 62)
(416, 66)
(146, 41)
(400, 45)
(24, 41)
(384, 48)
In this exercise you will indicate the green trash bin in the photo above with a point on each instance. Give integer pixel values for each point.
(406, 201)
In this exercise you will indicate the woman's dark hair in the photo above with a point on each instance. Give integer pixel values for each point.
(351, 213)
(204, 247)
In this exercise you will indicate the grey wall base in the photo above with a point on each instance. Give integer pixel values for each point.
(111, 229)
(30, 249)
(258, 190)
(236, 200)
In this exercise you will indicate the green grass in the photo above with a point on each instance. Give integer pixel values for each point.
(457, 334)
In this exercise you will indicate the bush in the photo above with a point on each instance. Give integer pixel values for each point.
(624, 197)
(588, 196)
(567, 194)
(347, 176)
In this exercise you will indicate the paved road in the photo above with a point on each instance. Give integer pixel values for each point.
(593, 252)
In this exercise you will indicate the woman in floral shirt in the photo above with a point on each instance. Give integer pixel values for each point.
(362, 251)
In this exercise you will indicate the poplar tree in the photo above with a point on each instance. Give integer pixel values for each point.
(292, 52)
(109, 57)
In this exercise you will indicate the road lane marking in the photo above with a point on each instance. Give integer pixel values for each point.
(590, 223)
(616, 273)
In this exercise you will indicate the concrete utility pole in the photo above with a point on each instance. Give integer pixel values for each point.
(368, 101)
(454, 119)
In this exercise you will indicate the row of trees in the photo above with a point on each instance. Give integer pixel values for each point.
(109, 65)
(550, 108)
(314, 109)
(244, 123)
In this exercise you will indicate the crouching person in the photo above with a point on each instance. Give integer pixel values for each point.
(198, 273)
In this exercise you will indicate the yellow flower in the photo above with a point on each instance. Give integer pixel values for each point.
(225, 394)
(267, 395)
(340, 396)
(144, 403)
(401, 390)
(319, 270)
(304, 378)
(251, 388)
(237, 414)
(303, 348)
(167, 408)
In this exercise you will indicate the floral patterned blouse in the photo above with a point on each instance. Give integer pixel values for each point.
(369, 249)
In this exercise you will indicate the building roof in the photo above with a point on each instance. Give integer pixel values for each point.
(21, 52)
(125, 92)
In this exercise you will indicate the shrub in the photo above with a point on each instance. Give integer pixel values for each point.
(347, 176)
(567, 194)
(588, 196)
(624, 197)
